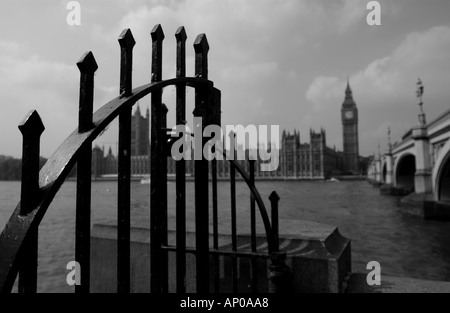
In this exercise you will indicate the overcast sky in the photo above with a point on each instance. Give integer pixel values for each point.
(282, 62)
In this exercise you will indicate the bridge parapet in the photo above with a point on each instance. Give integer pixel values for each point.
(419, 163)
(422, 179)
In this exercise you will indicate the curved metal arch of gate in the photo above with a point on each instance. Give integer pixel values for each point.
(18, 241)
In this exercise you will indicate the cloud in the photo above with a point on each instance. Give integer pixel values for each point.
(252, 43)
(387, 85)
(422, 54)
(257, 48)
(264, 54)
(348, 13)
(247, 74)
(425, 54)
(29, 82)
(240, 33)
(10, 47)
(323, 91)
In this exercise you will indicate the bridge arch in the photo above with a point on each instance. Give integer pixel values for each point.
(405, 168)
(441, 174)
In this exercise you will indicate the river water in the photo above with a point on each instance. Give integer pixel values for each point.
(379, 229)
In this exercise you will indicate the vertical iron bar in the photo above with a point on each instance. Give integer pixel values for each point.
(233, 210)
(215, 111)
(127, 43)
(31, 128)
(233, 204)
(215, 226)
(164, 216)
(253, 228)
(181, 165)
(157, 157)
(280, 277)
(274, 198)
(87, 66)
(201, 48)
(252, 206)
(29, 265)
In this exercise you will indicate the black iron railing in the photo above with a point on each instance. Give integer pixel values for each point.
(18, 241)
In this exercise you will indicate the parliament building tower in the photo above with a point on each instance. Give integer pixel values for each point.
(349, 114)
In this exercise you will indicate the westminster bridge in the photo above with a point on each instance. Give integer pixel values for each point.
(419, 164)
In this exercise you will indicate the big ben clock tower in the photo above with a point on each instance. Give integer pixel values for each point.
(349, 113)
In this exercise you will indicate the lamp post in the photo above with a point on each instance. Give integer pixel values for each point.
(422, 177)
(419, 94)
(389, 140)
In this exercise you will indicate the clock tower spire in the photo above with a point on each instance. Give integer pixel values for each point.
(349, 114)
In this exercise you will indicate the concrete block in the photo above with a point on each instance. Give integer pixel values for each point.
(318, 256)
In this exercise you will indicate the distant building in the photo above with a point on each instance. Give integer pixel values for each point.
(140, 149)
(349, 115)
(140, 133)
(313, 160)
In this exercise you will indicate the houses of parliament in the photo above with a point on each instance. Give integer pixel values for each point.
(297, 160)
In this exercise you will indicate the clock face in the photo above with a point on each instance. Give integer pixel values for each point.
(348, 114)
